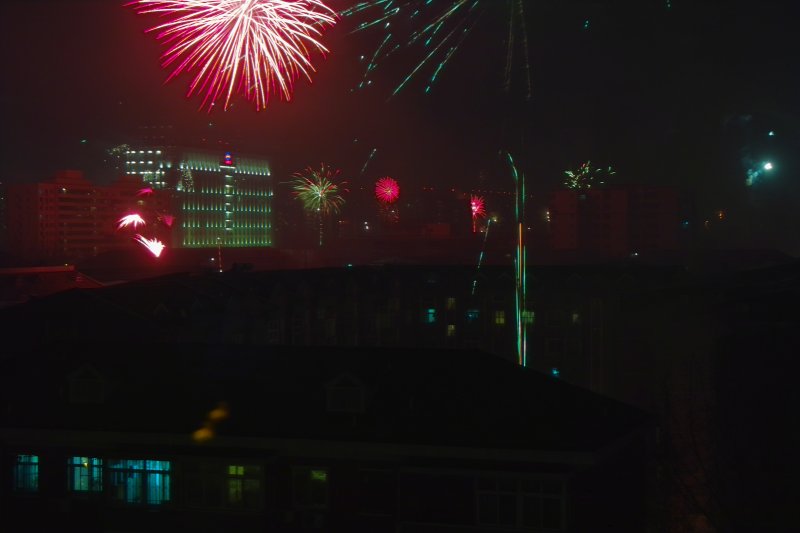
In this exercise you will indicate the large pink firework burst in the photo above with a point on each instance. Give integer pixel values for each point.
(387, 190)
(252, 47)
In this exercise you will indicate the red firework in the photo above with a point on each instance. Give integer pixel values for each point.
(478, 207)
(387, 190)
(251, 47)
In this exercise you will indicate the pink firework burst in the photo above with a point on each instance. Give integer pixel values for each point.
(478, 207)
(168, 220)
(251, 47)
(154, 246)
(145, 191)
(134, 220)
(387, 190)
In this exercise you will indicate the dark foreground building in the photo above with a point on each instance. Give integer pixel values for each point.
(227, 438)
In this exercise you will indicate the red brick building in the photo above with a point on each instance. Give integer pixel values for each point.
(69, 218)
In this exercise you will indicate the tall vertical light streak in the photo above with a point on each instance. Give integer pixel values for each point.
(521, 314)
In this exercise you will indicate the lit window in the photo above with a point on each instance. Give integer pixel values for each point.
(310, 487)
(26, 473)
(451, 303)
(472, 315)
(85, 474)
(244, 486)
(527, 317)
(451, 330)
(139, 481)
(430, 315)
(500, 317)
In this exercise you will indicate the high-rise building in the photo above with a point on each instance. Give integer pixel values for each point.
(68, 218)
(218, 199)
(614, 221)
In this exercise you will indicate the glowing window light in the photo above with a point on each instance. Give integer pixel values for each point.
(26, 473)
(85, 474)
(430, 315)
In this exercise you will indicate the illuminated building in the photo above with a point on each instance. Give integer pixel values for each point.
(69, 218)
(219, 199)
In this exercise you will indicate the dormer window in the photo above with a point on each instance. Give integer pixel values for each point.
(345, 394)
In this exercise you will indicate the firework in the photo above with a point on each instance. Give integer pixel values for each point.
(168, 220)
(317, 190)
(251, 47)
(478, 207)
(387, 191)
(154, 246)
(369, 158)
(584, 177)
(319, 193)
(438, 29)
(134, 220)
(145, 191)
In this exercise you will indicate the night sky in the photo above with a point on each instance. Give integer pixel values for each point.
(682, 93)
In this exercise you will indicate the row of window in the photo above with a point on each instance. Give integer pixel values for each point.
(500, 501)
(149, 482)
(134, 481)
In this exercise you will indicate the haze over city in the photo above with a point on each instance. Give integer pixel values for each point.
(418, 266)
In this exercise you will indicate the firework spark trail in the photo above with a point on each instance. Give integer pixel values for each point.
(252, 47)
(369, 158)
(145, 191)
(134, 220)
(443, 26)
(154, 246)
(584, 177)
(480, 257)
(387, 191)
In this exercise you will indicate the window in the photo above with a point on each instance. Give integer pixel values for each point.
(451, 330)
(430, 316)
(500, 317)
(451, 303)
(85, 474)
(139, 481)
(244, 486)
(472, 315)
(310, 487)
(541, 504)
(527, 317)
(26, 473)
(520, 503)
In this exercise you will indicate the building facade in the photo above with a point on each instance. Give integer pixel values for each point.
(68, 218)
(613, 222)
(353, 440)
(218, 198)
